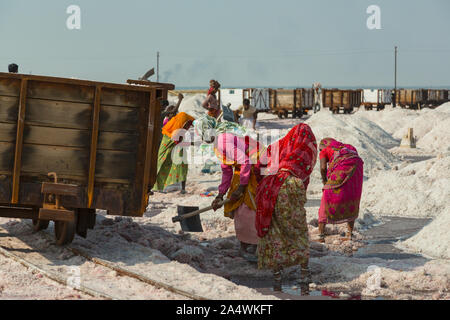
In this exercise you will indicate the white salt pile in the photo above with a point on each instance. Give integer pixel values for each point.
(191, 104)
(438, 138)
(420, 189)
(434, 239)
(430, 126)
(367, 137)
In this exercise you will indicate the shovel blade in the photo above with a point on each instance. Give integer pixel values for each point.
(192, 224)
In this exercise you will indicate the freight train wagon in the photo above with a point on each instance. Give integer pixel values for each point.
(436, 97)
(377, 99)
(69, 147)
(411, 98)
(282, 102)
(342, 100)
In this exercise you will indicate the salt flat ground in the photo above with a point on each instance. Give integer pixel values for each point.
(401, 249)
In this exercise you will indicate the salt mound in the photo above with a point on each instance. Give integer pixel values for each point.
(423, 123)
(444, 107)
(429, 124)
(191, 104)
(417, 190)
(438, 138)
(432, 240)
(363, 134)
(390, 119)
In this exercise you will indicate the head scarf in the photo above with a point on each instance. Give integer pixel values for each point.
(176, 123)
(296, 155)
(334, 144)
(209, 126)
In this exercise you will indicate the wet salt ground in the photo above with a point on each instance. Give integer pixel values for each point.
(381, 239)
(380, 243)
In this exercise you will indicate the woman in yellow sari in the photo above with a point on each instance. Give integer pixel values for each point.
(238, 156)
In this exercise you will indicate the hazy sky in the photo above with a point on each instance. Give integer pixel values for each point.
(238, 42)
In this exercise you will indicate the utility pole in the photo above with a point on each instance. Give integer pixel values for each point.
(395, 80)
(157, 67)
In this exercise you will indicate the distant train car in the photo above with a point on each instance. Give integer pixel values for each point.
(412, 98)
(378, 99)
(282, 102)
(436, 97)
(342, 100)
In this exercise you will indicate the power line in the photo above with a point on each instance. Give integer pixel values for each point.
(214, 56)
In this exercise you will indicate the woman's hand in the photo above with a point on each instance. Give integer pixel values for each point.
(236, 195)
(217, 203)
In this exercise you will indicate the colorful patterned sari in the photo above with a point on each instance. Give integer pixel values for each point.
(281, 197)
(170, 172)
(342, 192)
(240, 153)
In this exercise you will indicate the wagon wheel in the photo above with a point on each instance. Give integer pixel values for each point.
(280, 115)
(65, 231)
(39, 225)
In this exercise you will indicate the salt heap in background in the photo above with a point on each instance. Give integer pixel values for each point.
(366, 136)
(420, 190)
(191, 104)
(431, 126)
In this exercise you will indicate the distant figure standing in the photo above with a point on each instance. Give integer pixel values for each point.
(249, 115)
(211, 103)
(13, 68)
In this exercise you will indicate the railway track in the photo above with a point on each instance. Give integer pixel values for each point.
(53, 276)
(7, 249)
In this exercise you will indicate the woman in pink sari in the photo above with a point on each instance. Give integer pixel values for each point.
(342, 175)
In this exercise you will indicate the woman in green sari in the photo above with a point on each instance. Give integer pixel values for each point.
(171, 167)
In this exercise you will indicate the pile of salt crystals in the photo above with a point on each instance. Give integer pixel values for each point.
(410, 190)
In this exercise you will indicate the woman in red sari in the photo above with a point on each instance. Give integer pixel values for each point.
(342, 175)
(281, 196)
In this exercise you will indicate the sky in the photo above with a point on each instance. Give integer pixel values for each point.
(240, 43)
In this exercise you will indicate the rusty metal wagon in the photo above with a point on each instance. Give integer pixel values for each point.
(69, 147)
(411, 98)
(282, 102)
(296, 102)
(341, 100)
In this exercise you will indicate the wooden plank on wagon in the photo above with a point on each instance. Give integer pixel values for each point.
(61, 189)
(151, 148)
(19, 142)
(94, 141)
(56, 214)
(18, 213)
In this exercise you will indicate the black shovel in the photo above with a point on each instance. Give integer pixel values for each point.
(189, 217)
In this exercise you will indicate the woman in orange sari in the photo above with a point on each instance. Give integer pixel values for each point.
(342, 175)
(169, 172)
